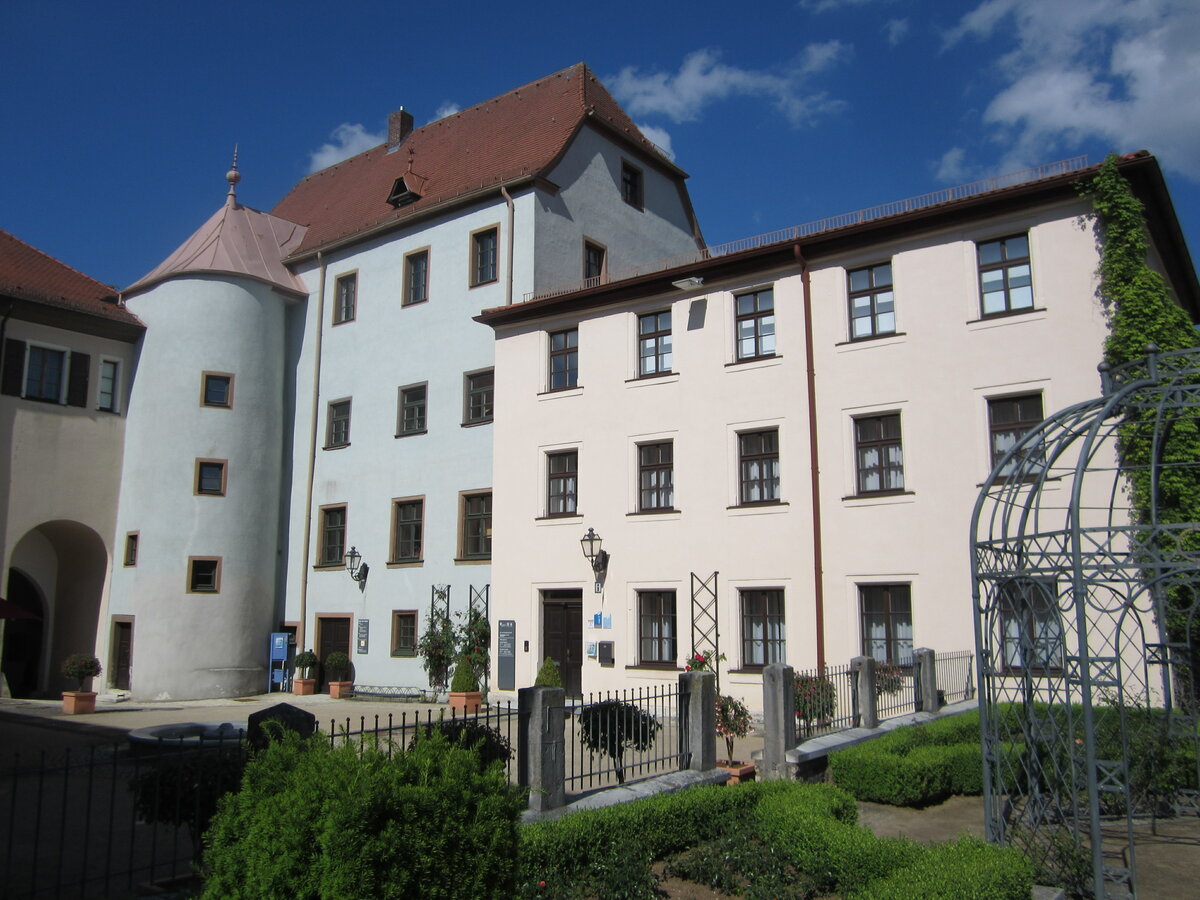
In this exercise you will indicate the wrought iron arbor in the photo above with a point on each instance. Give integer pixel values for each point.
(1086, 623)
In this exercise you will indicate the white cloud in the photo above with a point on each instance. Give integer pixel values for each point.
(1124, 72)
(896, 30)
(826, 5)
(348, 140)
(660, 136)
(703, 79)
(448, 108)
(951, 168)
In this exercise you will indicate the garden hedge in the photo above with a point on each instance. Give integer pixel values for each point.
(915, 765)
(315, 822)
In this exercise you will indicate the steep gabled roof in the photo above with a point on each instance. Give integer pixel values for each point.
(236, 240)
(514, 137)
(28, 274)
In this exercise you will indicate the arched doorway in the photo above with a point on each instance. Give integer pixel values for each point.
(24, 616)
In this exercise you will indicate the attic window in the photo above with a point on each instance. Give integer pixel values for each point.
(401, 194)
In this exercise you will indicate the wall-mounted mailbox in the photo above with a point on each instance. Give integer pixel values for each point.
(604, 650)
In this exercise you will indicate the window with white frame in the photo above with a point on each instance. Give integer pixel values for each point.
(1005, 276)
(110, 384)
(754, 323)
(654, 343)
(345, 300)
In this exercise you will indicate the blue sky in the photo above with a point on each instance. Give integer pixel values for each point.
(119, 118)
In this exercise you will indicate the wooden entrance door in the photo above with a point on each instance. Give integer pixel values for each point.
(333, 633)
(122, 654)
(562, 630)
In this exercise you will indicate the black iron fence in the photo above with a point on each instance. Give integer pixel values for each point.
(495, 728)
(895, 690)
(613, 738)
(826, 701)
(110, 821)
(956, 676)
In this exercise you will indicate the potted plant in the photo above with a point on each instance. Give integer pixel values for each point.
(733, 721)
(337, 666)
(305, 684)
(436, 647)
(465, 696)
(80, 667)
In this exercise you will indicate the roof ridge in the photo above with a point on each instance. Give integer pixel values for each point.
(109, 288)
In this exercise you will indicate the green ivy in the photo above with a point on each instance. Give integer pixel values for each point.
(1141, 312)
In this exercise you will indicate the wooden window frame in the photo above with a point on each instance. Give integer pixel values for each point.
(1007, 265)
(879, 445)
(1018, 427)
(768, 486)
(658, 341)
(480, 274)
(479, 402)
(130, 558)
(343, 310)
(396, 650)
(197, 482)
(466, 517)
(633, 185)
(591, 247)
(204, 379)
(326, 531)
(64, 374)
(892, 596)
(762, 332)
(569, 354)
(872, 292)
(656, 468)
(774, 649)
(563, 485)
(395, 539)
(193, 575)
(661, 619)
(332, 420)
(404, 404)
(114, 402)
(409, 284)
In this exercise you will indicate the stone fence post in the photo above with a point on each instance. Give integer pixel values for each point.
(925, 662)
(779, 714)
(699, 691)
(541, 763)
(863, 668)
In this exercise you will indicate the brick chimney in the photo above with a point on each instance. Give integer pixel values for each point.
(400, 125)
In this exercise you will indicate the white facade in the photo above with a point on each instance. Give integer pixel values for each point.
(893, 571)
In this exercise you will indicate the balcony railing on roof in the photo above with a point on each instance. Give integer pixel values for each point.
(896, 207)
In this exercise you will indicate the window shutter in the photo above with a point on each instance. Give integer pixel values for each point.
(14, 367)
(77, 379)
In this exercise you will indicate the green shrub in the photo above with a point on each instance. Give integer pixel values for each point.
(337, 665)
(80, 667)
(836, 854)
(548, 675)
(465, 680)
(816, 699)
(611, 727)
(966, 869)
(306, 661)
(472, 733)
(312, 822)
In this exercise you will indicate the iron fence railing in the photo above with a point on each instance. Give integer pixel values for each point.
(826, 701)
(110, 821)
(616, 737)
(496, 725)
(895, 692)
(956, 676)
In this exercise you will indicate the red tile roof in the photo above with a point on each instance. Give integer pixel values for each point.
(29, 274)
(516, 136)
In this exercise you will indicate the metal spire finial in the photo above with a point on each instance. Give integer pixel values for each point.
(233, 176)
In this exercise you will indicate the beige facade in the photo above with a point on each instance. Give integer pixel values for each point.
(933, 340)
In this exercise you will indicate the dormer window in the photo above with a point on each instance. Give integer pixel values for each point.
(402, 194)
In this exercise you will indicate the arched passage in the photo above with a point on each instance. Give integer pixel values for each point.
(59, 568)
(21, 654)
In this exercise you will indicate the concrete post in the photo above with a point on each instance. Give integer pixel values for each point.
(926, 685)
(541, 762)
(864, 669)
(779, 713)
(700, 692)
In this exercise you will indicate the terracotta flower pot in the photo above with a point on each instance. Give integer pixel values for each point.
(738, 771)
(78, 702)
(304, 686)
(466, 701)
(341, 689)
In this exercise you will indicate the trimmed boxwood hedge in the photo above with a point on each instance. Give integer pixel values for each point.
(607, 853)
(915, 765)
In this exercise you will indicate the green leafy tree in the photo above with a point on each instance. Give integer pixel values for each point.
(816, 699)
(611, 727)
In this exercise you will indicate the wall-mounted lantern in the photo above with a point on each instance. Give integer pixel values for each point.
(596, 555)
(357, 568)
